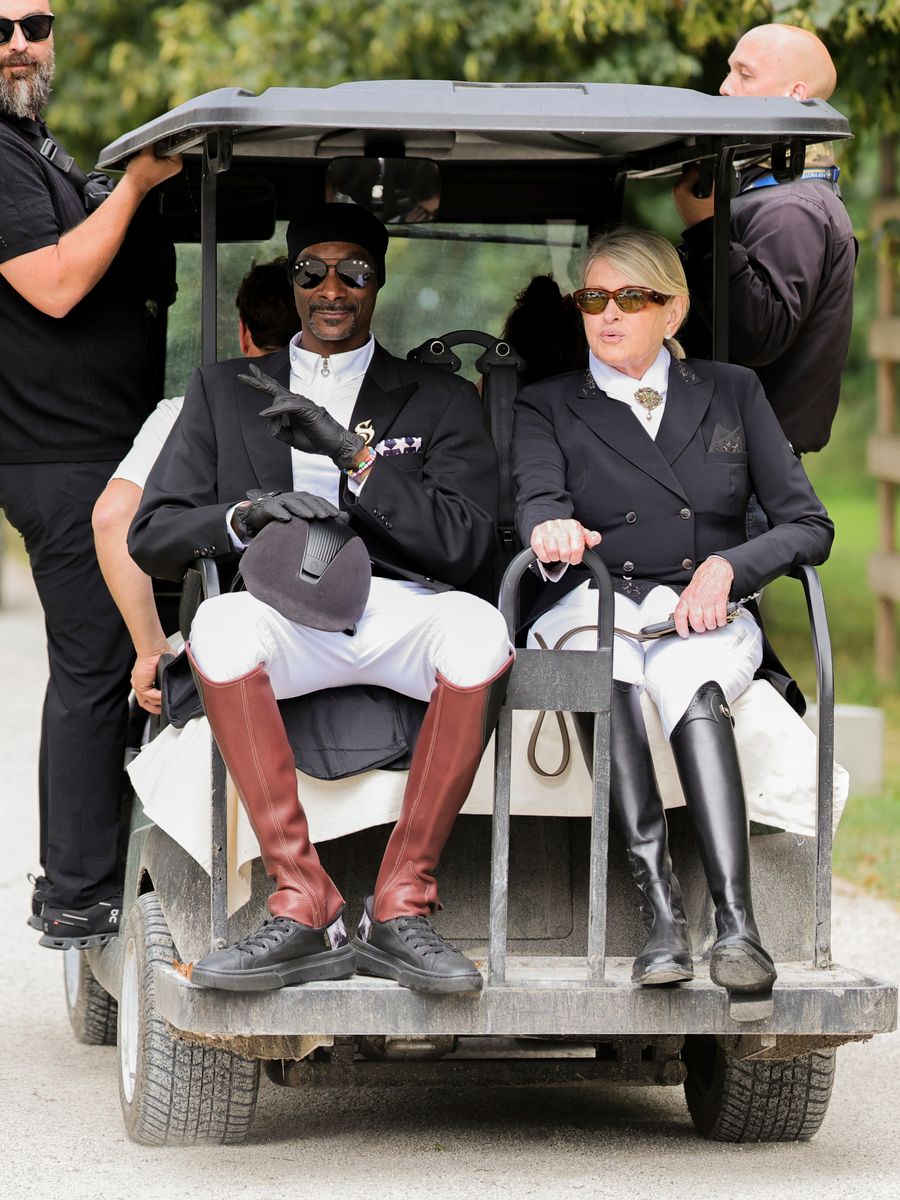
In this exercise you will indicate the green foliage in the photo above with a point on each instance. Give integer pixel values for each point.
(121, 64)
(867, 845)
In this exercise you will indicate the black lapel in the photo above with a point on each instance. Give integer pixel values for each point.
(271, 459)
(381, 398)
(687, 400)
(617, 425)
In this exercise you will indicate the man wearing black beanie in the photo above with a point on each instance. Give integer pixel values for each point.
(401, 450)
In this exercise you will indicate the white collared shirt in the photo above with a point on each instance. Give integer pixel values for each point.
(623, 387)
(336, 392)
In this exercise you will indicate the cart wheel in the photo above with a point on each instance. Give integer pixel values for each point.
(734, 1101)
(172, 1092)
(91, 1009)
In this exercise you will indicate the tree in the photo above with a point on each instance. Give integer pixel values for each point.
(123, 64)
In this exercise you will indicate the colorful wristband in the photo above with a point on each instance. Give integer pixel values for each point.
(354, 472)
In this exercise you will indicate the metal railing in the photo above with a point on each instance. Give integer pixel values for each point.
(555, 680)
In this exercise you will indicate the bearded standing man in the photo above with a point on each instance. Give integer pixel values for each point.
(77, 318)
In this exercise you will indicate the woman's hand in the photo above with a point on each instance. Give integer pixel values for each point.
(704, 601)
(562, 541)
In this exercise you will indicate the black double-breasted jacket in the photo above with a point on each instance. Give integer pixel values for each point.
(664, 506)
(428, 515)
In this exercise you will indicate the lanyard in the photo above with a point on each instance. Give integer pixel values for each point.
(828, 174)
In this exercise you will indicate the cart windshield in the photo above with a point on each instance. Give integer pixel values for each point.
(440, 277)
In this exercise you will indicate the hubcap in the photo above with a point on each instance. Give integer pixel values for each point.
(72, 976)
(128, 1021)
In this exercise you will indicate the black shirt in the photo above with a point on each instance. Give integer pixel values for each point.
(791, 268)
(76, 388)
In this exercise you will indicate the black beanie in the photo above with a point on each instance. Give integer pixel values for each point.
(338, 223)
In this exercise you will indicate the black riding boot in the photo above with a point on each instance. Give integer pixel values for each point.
(639, 818)
(706, 757)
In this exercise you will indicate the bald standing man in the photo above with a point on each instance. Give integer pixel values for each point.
(793, 252)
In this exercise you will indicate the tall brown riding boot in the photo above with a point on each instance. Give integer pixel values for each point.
(395, 938)
(306, 938)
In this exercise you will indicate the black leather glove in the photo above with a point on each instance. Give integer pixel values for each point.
(304, 425)
(264, 507)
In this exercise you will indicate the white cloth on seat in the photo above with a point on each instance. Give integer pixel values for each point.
(777, 751)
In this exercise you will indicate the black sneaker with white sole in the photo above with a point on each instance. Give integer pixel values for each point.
(40, 886)
(81, 928)
(410, 950)
(281, 952)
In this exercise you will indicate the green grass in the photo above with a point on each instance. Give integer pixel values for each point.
(867, 845)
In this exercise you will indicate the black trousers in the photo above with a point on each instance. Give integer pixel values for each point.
(90, 653)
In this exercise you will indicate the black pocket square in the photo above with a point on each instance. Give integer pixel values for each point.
(727, 441)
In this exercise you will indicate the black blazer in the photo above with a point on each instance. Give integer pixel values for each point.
(428, 515)
(664, 506)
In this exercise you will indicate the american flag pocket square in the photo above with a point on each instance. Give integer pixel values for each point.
(398, 445)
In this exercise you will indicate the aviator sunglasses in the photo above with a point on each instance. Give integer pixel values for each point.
(628, 299)
(35, 27)
(309, 273)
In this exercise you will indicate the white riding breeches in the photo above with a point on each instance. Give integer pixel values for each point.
(406, 635)
(671, 669)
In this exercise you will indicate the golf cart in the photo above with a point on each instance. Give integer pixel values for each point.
(517, 176)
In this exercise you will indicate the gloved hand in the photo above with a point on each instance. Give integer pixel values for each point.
(264, 507)
(304, 425)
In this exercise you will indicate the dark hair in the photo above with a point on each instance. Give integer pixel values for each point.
(265, 303)
(546, 329)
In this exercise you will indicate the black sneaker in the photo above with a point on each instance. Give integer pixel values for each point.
(40, 886)
(281, 952)
(410, 950)
(80, 928)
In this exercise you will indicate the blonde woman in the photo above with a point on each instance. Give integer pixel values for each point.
(650, 458)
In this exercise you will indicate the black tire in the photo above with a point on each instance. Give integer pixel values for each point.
(92, 1010)
(756, 1101)
(172, 1092)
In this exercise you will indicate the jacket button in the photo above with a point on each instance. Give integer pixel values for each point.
(628, 567)
(631, 518)
(686, 514)
(687, 563)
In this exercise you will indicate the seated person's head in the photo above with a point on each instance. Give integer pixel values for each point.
(336, 256)
(544, 327)
(267, 315)
(633, 299)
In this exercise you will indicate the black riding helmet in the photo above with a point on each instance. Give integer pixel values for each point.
(316, 573)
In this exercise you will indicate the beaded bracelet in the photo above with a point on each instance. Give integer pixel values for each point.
(362, 466)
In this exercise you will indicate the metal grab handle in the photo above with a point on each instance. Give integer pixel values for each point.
(520, 694)
(509, 590)
(201, 582)
(821, 639)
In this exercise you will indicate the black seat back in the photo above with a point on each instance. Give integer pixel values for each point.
(499, 366)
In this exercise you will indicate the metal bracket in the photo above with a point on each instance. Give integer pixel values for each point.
(218, 151)
(788, 159)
